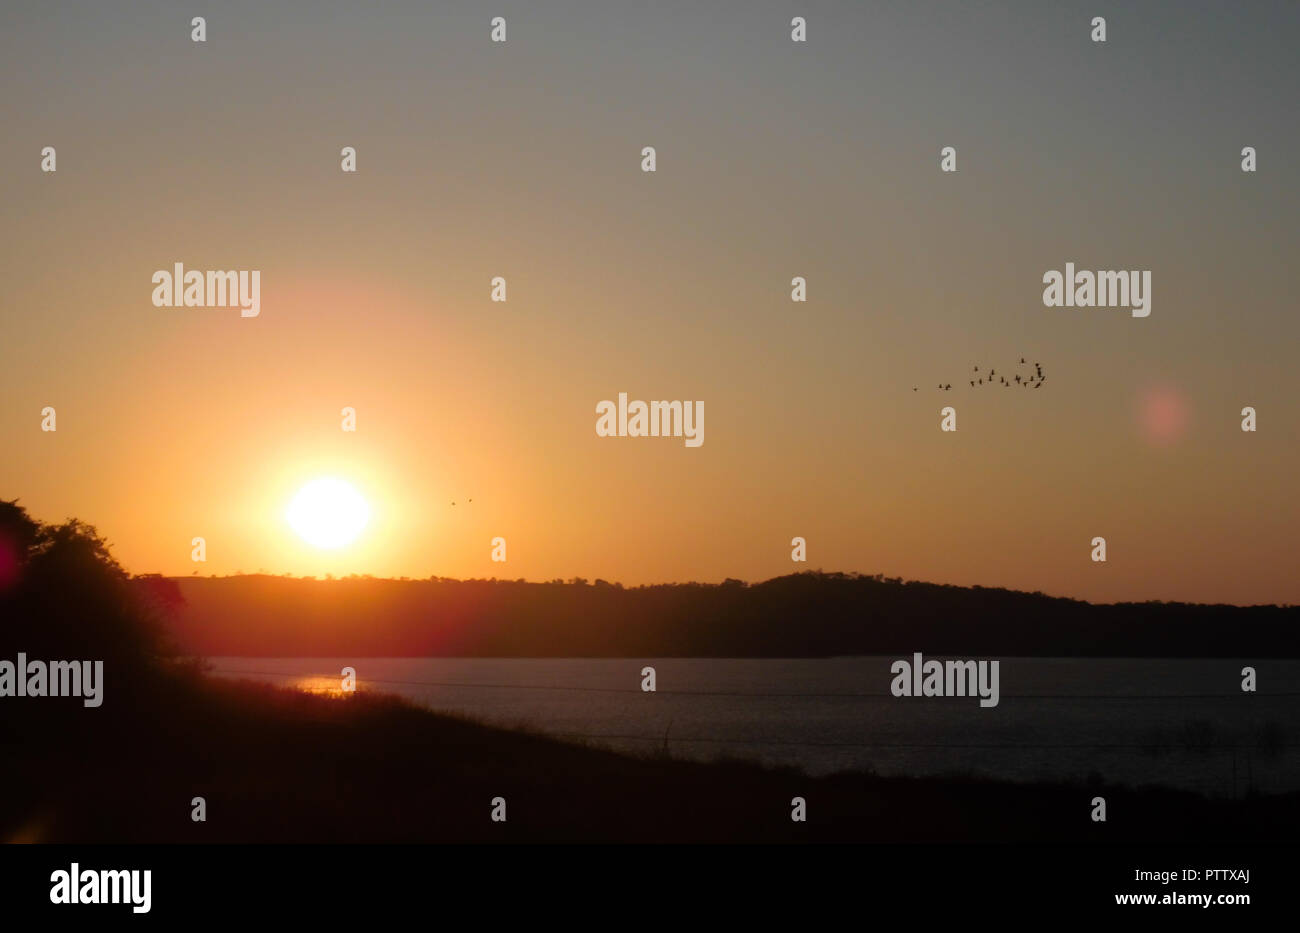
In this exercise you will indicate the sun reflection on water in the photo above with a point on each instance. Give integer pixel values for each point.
(322, 686)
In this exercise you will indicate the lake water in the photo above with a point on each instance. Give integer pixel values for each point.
(1183, 723)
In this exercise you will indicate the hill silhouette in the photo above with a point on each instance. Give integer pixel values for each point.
(809, 614)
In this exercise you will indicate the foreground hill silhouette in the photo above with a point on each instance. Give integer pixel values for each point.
(279, 766)
(275, 765)
(801, 615)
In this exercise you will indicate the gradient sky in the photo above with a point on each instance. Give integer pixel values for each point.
(774, 160)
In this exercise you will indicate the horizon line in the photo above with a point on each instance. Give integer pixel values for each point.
(729, 581)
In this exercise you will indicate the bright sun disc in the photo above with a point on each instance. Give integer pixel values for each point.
(328, 513)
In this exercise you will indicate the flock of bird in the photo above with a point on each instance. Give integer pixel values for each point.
(977, 379)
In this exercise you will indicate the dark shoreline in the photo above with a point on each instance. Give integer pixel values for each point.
(276, 765)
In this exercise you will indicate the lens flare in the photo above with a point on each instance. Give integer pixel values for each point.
(1163, 414)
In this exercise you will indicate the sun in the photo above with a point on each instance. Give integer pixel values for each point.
(328, 513)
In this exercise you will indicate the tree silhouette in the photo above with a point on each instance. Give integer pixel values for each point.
(63, 596)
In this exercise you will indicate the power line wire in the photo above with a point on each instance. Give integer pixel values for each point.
(725, 693)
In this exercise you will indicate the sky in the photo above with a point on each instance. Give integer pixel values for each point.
(775, 159)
